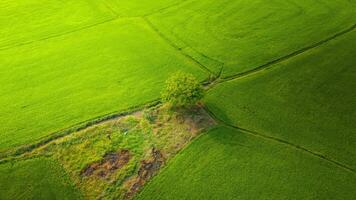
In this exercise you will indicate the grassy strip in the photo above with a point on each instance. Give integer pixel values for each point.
(141, 136)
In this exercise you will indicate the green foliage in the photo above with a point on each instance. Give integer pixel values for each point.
(182, 90)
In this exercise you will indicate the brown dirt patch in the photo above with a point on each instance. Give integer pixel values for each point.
(147, 170)
(196, 120)
(108, 165)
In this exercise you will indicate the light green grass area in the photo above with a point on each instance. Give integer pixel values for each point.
(39, 178)
(135, 8)
(309, 100)
(229, 164)
(24, 21)
(62, 81)
(245, 34)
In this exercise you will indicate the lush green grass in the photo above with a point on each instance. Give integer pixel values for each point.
(24, 21)
(39, 178)
(309, 100)
(58, 82)
(229, 164)
(244, 34)
(132, 8)
(65, 62)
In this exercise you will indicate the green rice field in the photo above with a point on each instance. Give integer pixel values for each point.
(280, 86)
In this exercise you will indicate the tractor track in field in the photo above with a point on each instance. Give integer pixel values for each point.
(7, 47)
(218, 80)
(284, 142)
(167, 8)
(270, 64)
(109, 7)
(256, 70)
(115, 17)
(176, 47)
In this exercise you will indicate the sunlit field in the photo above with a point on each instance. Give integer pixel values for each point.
(81, 113)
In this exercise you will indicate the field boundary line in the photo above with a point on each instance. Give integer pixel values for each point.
(11, 46)
(270, 64)
(284, 142)
(115, 17)
(176, 47)
(108, 6)
(179, 152)
(167, 7)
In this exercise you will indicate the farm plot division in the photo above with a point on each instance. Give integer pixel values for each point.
(63, 63)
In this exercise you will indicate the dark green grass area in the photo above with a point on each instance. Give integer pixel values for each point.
(27, 20)
(56, 83)
(309, 100)
(229, 164)
(39, 178)
(245, 34)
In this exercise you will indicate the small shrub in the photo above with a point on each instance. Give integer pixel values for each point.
(149, 115)
(182, 90)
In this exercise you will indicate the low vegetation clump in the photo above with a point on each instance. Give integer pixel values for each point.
(114, 159)
(182, 90)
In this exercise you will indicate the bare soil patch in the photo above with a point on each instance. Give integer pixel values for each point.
(147, 170)
(108, 165)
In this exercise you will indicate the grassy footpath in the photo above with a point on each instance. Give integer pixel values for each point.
(62, 81)
(308, 100)
(39, 178)
(245, 34)
(229, 164)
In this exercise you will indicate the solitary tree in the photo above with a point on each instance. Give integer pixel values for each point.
(182, 90)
